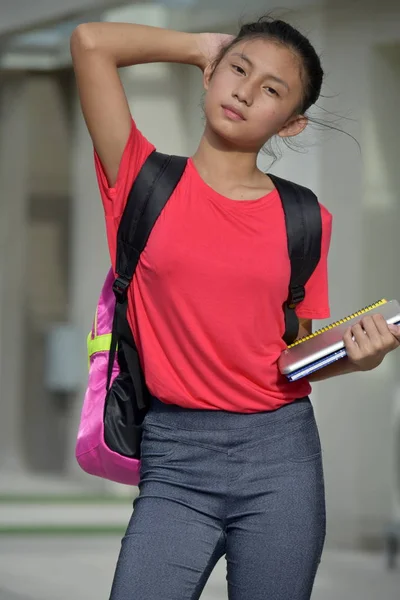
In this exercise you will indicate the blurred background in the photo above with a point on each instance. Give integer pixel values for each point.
(59, 528)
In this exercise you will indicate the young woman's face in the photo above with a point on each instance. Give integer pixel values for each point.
(254, 93)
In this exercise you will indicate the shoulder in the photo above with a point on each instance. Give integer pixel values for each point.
(326, 217)
(286, 188)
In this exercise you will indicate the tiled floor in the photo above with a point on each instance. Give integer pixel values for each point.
(81, 569)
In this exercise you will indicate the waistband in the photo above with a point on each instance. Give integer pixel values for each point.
(174, 416)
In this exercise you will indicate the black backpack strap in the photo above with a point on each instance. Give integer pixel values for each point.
(304, 234)
(150, 192)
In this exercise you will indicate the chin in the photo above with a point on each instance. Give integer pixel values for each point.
(230, 135)
(225, 131)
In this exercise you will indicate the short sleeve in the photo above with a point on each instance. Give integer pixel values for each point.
(136, 151)
(316, 302)
(114, 199)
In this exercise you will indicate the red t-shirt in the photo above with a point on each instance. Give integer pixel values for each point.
(205, 305)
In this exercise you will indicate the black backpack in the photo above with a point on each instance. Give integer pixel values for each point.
(128, 397)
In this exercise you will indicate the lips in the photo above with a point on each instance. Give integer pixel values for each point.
(233, 113)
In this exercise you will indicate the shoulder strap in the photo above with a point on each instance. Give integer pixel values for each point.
(304, 233)
(150, 192)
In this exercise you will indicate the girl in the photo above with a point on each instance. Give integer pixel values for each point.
(231, 458)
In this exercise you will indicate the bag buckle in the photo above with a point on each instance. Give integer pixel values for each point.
(120, 287)
(296, 295)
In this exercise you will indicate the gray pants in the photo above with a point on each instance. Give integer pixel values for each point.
(214, 483)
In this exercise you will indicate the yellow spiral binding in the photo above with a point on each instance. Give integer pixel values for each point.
(340, 322)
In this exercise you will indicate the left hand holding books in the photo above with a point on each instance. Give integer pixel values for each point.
(368, 341)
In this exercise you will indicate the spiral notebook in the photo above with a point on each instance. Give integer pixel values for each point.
(325, 346)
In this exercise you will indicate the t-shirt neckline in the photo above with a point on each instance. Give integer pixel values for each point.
(239, 204)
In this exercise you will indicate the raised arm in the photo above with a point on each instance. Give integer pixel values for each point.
(98, 50)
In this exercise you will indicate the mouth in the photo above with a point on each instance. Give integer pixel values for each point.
(233, 113)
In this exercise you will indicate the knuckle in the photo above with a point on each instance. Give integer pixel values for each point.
(371, 350)
(352, 353)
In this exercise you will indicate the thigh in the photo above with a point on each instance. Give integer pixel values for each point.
(275, 541)
(171, 544)
(165, 554)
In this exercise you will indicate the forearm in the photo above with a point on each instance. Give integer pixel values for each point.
(341, 367)
(128, 44)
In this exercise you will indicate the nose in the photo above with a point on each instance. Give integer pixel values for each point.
(244, 93)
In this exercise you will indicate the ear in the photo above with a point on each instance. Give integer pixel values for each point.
(207, 75)
(294, 126)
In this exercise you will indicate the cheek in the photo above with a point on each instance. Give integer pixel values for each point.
(220, 84)
(213, 86)
(207, 103)
(265, 118)
(212, 97)
(270, 118)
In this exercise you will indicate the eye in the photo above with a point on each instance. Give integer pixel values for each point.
(271, 91)
(238, 69)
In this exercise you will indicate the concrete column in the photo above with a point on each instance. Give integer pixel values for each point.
(13, 221)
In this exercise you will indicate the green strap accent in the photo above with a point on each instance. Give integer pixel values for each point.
(100, 343)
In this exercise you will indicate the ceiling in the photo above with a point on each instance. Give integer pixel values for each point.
(17, 15)
(35, 34)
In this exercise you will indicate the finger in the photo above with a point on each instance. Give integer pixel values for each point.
(351, 346)
(376, 338)
(361, 338)
(388, 336)
(395, 330)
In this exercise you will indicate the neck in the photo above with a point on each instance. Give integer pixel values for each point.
(222, 161)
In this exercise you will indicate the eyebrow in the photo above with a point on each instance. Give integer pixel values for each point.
(250, 63)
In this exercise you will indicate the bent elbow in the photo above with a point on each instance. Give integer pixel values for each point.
(82, 39)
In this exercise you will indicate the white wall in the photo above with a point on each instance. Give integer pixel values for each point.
(355, 411)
